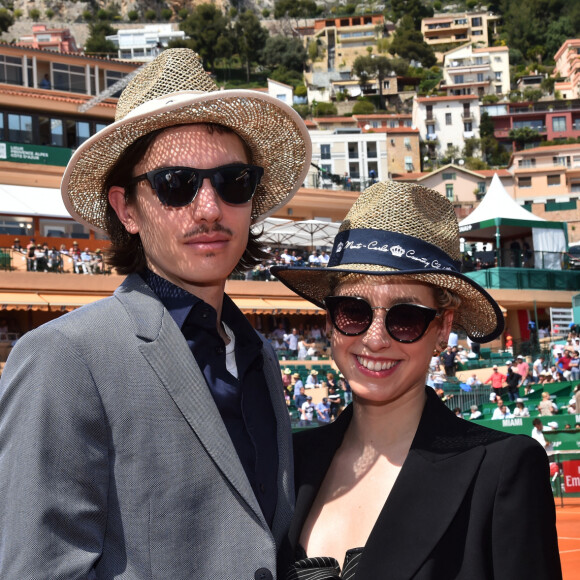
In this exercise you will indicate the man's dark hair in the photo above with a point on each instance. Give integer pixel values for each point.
(126, 253)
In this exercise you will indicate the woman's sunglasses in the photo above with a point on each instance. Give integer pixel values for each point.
(353, 316)
(178, 186)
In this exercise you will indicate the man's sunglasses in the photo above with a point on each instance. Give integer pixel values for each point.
(353, 316)
(178, 186)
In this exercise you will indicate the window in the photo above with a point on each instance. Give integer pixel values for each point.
(497, 75)
(69, 78)
(408, 163)
(468, 127)
(407, 143)
(527, 162)
(16, 226)
(561, 160)
(11, 70)
(479, 77)
(477, 21)
(20, 128)
(524, 182)
(393, 123)
(325, 151)
(51, 131)
(430, 130)
(373, 168)
(458, 79)
(448, 119)
(449, 191)
(408, 123)
(371, 150)
(449, 175)
(83, 132)
(281, 97)
(354, 170)
(481, 186)
(56, 228)
(558, 123)
(553, 180)
(575, 186)
(353, 151)
(477, 33)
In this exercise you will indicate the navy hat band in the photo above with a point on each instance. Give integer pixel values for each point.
(389, 249)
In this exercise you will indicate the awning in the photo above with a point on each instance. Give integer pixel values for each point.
(22, 200)
(67, 302)
(274, 306)
(45, 302)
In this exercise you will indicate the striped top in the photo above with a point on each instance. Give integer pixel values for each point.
(325, 568)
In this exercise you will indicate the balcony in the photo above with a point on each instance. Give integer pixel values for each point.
(430, 120)
(431, 136)
(467, 116)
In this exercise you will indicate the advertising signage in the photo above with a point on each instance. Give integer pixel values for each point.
(41, 155)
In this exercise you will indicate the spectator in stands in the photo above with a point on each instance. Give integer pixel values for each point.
(538, 435)
(96, 263)
(323, 259)
(575, 366)
(345, 388)
(523, 369)
(449, 360)
(30, 257)
(287, 377)
(16, 246)
(145, 435)
(545, 407)
(520, 409)
(513, 381)
(457, 412)
(500, 409)
(302, 349)
(497, 380)
(312, 381)
(335, 402)
(475, 413)
(292, 341)
(300, 398)
(453, 339)
(316, 332)
(397, 461)
(55, 262)
(306, 412)
(563, 366)
(40, 258)
(314, 259)
(323, 411)
(473, 381)
(537, 369)
(298, 384)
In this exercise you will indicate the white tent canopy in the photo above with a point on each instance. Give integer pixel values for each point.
(20, 200)
(299, 233)
(499, 216)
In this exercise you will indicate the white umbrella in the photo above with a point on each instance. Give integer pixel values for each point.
(304, 233)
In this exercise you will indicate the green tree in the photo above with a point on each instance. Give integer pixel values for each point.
(296, 9)
(6, 20)
(208, 32)
(372, 67)
(284, 51)
(363, 107)
(96, 43)
(416, 9)
(409, 43)
(523, 135)
(287, 76)
(34, 14)
(133, 15)
(150, 15)
(250, 39)
(326, 109)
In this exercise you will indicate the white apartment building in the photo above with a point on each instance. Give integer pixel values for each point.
(476, 71)
(445, 122)
(144, 43)
(362, 157)
(568, 69)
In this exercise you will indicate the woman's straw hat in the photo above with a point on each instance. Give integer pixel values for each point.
(174, 89)
(407, 230)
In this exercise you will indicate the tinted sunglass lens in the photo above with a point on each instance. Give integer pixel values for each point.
(352, 316)
(407, 322)
(176, 187)
(236, 184)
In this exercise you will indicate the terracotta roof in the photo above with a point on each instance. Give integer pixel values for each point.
(326, 120)
(447, 98)
(49, 95)
(384, 116)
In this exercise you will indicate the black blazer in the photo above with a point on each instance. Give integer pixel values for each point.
(469, 503)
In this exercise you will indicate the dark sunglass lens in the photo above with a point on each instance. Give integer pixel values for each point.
(352, 316)
(175, 187)
(236, 184)
(408, 322)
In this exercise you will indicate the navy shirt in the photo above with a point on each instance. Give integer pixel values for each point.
(244, 403)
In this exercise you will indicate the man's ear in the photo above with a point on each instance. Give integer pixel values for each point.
(123, 209)
(445, 326)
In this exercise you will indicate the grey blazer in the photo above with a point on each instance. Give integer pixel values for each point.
(114, 460)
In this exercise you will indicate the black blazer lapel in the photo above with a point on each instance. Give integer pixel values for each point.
(429, 491)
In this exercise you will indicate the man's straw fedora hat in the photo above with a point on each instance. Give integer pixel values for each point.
(401, 229)
(174, 89)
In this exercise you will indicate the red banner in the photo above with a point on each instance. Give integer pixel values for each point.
(571, 476)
